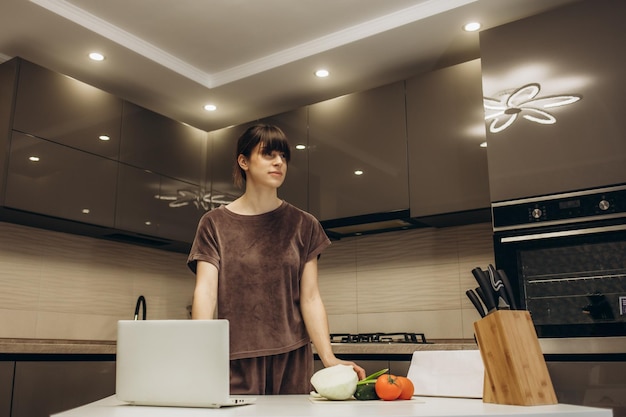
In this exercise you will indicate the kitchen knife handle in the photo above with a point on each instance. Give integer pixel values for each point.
(485, 286)
(498, 288)
(477, 304)
(509, 289)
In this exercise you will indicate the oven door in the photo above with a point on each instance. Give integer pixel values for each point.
(570, 277)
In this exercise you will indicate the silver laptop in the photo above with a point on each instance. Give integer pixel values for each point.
(178, 363)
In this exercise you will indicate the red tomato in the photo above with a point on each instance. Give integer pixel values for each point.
(407, 388)
(388, 387)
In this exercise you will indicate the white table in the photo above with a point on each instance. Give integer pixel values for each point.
(303, 406)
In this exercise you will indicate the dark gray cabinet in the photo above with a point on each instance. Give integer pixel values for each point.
(61, 109)
(363, 132)
(6, 387)
(549, 148)
(294, 124)
(154, 205)
(42, 388)
(159, 144)
(55, 180)
(447, 166)
(221, 150)
(8, 75)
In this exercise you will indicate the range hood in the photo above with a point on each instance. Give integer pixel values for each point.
(370, 224)
(399, 220)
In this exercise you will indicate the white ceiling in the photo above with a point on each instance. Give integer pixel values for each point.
(251, 58)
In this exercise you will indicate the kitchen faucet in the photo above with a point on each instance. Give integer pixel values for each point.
(141, 300)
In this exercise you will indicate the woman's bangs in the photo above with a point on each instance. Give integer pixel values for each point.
(279, 144)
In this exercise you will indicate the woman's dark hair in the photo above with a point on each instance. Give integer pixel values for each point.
(271, 139)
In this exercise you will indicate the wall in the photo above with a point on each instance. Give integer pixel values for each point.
(406, 281)
(62, 286)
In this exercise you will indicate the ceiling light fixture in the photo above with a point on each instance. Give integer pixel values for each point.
(104, 137)
(358, 172)
(300, 147)
(523, 101)
(472, 27)
(210, 107)
(33, 158)
(322, 73)
(96, 56)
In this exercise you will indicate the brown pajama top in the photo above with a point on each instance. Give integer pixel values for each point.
(260, 259)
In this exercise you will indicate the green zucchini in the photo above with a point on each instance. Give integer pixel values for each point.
(366, 391)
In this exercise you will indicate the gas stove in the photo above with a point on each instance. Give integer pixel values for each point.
(378, 338)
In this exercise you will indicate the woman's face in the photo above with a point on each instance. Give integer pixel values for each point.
(267, 168)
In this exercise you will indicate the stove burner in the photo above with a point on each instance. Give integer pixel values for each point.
(378, 338)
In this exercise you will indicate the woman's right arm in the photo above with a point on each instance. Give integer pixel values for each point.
(205, 293)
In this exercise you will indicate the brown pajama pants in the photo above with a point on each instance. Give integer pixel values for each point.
(287, 373)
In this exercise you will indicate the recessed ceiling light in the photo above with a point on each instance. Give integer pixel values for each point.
(96, 56)
(471, 27)
(86, 211)
(483, 145)
(300, 146)
(358, 172)
(322, 73)
(33, 158)
(210, 107)
(104, 137)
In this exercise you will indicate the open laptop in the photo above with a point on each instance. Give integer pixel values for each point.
(178, 363)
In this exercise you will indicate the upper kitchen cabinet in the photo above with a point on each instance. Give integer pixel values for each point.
(221, 149)
(8, 76)
(294, 124)
(55, 180)
(448, 174)
(157, 209)
(554, 96)
(61, 109)
(358, 154)
(162, 145)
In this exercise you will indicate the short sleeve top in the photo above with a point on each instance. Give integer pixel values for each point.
(260, 259)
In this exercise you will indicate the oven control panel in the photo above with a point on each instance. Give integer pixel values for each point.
(587, 205)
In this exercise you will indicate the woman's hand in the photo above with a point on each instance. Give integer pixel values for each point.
(359, 371)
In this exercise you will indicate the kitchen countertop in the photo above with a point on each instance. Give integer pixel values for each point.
(94, 347)
(303, 406)
(56, 346)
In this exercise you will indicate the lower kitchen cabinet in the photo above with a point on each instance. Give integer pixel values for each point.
(41, 388)
(373, 364)
(6, 382)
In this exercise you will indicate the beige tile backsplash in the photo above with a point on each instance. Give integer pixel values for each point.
(62, 286)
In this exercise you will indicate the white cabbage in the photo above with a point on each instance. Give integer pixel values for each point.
(335, 382)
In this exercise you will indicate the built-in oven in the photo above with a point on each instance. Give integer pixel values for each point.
(565, 256)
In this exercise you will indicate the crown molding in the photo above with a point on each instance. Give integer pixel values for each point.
(333, 40)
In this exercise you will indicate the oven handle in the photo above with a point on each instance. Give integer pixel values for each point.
(563, 233)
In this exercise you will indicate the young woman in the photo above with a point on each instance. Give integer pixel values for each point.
(255, 261)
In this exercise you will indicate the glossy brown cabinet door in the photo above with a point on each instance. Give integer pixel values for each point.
(52, 179)
(294, 124)
(8, 79)
(162, 145)
(221, 150)
(550, 148)
(6, 387)
(358, 132)
(42, 388)
(158, 206)
(447, 165)
(61, 109)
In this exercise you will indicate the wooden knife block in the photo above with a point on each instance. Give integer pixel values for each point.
(515, 369)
